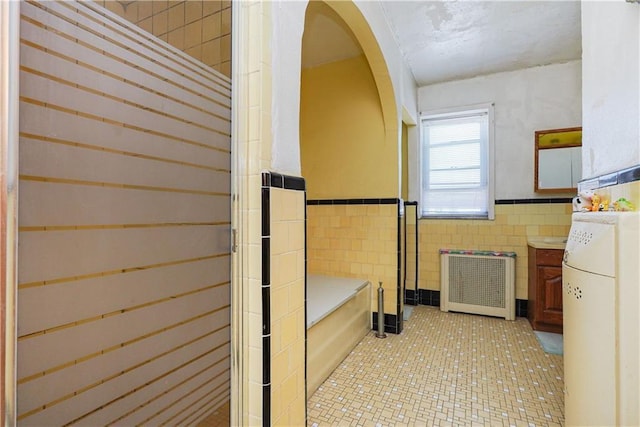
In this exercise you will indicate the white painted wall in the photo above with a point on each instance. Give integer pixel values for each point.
(611, 86)
(546, 97)
(286, 43)
(286, 58)
(402, 79)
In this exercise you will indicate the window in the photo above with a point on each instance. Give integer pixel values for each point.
(457, 169)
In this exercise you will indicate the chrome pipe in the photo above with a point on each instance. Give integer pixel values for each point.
(380, 333)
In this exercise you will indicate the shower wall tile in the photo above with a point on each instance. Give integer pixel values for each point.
(288, 324)
(514, 224)
(176, 17)
(194, 11)
(200, 28)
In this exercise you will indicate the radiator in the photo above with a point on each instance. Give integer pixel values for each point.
(478, 282)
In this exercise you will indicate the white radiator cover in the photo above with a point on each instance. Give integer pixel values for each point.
(478, 282)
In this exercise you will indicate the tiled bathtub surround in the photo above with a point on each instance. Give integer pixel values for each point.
(283, 300)
(515, 222)
(358, 238)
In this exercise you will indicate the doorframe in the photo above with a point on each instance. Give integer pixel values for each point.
(9, 136)
(238, 401)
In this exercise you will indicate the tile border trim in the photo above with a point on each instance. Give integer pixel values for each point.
(622, 176)
(533, 201)
(399, 321)
(521, 307)
(411, 295)
(275, 180)
(432, 298)
(390, 322)
(381, 201)
(429, 297)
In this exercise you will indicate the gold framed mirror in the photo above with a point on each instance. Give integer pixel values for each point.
(558, 160)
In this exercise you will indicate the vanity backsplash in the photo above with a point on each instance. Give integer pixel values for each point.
(617, 191)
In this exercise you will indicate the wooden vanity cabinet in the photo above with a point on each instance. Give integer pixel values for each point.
(544, 308)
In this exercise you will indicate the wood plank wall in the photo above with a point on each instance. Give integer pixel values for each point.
(124, 218)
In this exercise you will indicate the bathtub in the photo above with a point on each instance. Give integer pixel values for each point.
(338, 317)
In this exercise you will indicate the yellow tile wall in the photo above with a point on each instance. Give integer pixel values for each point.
(200, 28)
(358, 241)
(510, 230)
(411, 267)
(629, 191)
(252, 87)
(288, 327)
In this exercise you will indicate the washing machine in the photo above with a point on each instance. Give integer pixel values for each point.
(601, 324)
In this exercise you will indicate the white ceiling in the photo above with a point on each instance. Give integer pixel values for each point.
(451, 40)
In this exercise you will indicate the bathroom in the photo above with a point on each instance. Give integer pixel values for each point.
(270, 36)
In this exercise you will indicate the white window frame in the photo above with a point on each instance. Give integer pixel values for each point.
(463, 111)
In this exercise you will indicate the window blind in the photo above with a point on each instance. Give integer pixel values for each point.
(455, 164)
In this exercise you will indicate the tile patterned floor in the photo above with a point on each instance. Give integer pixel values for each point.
(445, 369)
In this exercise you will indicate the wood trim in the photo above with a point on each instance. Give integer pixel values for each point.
(537, 148)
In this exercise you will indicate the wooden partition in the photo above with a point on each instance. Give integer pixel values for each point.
(124, 217)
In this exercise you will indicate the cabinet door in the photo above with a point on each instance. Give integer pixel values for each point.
(549, 304)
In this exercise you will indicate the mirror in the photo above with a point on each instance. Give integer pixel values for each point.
(558, 160)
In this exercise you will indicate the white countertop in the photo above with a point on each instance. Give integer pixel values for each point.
(547, 242)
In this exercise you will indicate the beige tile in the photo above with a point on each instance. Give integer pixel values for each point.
(115, 7)
(255, 399)
(193, 10)
(145, 9)
(290, 390)
(279, 367)
(193, 34)
(255, 364)
(176, 38)
(176, 16)
(279, 303)
(160, 23)
(195, 52)
(159, 5)
(289, 329)
(297, 411)
(211, 52)
(211, 27)
(211, 6)
(276, 403)
(279, 238)
(131, 11)
(225, 48)
(226, 21)
(146, 24)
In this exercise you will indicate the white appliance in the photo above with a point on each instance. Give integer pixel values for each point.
(600, 276)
